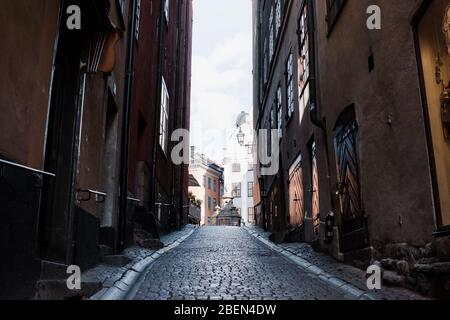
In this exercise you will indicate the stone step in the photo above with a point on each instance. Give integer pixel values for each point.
(58, 290)
(105, 250)
(52, 270)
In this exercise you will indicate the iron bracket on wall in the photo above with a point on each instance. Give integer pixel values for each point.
(100, 197)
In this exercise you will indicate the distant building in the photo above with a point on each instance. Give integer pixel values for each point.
(238, 164)
(195, 212)
(210, 192)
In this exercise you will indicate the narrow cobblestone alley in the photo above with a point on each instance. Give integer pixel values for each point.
(218, 263)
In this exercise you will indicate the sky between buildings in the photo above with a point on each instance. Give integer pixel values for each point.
(221, 71)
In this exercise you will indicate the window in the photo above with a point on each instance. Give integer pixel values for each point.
(250, 189)
(236, 167)
(334, 7)
(214, 203)
(271, 36)
(164, 120)
(122, 4)
(214, 185)
(166, 10)
(315, 190)
(138, 19)
(209, 203)
(251, 215)
(236, 192)
(209, 183)
(265, 62)
(304, 60)
(277, 17)
(269, 134)
(279, 112)
(290, 85)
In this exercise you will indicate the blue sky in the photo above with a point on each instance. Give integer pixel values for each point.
(221, 71)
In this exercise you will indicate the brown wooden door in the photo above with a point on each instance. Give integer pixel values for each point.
(353, 227)
(296, 194)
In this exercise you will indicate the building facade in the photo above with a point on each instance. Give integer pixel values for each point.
(238, 168)
(160, 106)
(211, 179)
(68, 102)
(361, 133)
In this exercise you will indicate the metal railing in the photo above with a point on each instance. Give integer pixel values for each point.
(19, 166)
(100, 197)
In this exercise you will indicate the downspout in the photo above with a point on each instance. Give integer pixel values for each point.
(177, 101)
(158, 109)
(126, 126)
(314, 114)
(185, 92)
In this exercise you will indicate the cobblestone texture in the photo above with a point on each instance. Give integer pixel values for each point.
(108, 275)
(345, 272)
(218, 263)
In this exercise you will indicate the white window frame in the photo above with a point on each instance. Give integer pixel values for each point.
(271, 36)
(164, 117)
(236, 190)
(138, 19)
(277, 17)
(280, 112)
(266, 73)
(122, 4)
(167, 10)
(290, 84)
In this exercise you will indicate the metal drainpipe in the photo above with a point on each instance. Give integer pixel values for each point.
(183, 115)
(126, 126)
(158, 109)
(177, 101)
(314, 116)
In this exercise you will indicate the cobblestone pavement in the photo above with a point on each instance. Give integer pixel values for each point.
(218, 263)
(108, 275)
(347, 273)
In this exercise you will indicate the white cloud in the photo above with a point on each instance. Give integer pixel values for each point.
(221, 89)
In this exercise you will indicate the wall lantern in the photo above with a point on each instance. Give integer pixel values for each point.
(240, 137)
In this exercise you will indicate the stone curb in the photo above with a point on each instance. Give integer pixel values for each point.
(330, 279)
(124, 287)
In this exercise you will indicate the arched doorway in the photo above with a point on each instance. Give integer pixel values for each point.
(353, 229)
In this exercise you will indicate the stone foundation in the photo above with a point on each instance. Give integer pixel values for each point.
(423, 269)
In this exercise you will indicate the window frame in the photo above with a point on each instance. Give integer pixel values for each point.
(271, 35)
(236, 190)
(278, 18)
(279, 104)
(167, 10)
(138, 20)
(305, 58)
(250, 185)
(164, 117)
(290, 92)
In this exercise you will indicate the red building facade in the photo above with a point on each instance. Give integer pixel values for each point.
(161, 105)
